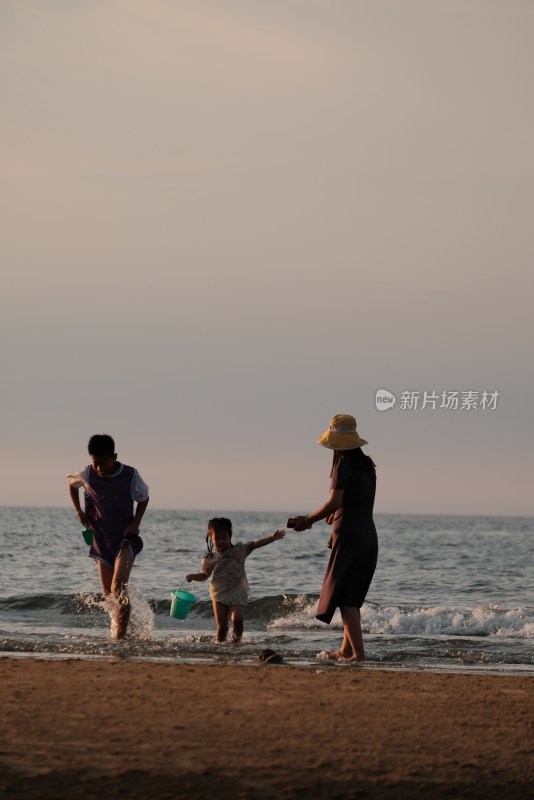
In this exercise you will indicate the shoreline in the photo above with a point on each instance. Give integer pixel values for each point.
(510, 671)
(126, 728)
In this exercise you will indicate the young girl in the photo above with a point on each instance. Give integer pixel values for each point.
(229, 588)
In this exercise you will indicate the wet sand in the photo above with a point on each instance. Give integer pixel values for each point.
(83, 729)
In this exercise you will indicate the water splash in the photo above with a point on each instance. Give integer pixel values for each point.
(142, 617)
(141, 625)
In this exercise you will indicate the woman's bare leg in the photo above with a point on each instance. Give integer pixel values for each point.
(221, 620)
(353, 631)
(345, 651)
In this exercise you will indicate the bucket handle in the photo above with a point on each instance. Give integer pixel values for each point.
(178, 587)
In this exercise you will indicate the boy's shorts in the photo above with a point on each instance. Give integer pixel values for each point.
(101, 551)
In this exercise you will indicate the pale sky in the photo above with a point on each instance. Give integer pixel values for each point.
(225, 222)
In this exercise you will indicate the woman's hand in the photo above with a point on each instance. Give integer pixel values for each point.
(189, 578)
(278, 534)
(301, 524)
(330, 518)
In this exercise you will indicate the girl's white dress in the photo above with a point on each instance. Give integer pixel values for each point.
(229, 584)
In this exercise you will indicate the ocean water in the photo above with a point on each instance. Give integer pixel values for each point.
(449, 593)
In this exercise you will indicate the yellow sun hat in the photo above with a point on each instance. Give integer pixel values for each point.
(341, 435)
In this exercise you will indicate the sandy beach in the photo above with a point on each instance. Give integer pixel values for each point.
(92, 729)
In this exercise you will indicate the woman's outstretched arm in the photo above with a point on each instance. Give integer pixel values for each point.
(335, 501)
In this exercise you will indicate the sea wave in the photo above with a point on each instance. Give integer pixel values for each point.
(441, 620)
(297, 611)
(262, 608)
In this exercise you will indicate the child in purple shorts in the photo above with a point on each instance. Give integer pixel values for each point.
(110, 491)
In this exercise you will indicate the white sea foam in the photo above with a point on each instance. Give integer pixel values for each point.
(441, 620)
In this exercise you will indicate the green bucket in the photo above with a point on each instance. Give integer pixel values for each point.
(87, 534)
(181, 603)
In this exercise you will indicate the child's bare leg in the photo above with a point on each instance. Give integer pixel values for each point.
(106, 579)
(237, 623)
(221, 620)
(353, 631)
(119, 590)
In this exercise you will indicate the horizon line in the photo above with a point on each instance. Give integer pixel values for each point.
(283, 512)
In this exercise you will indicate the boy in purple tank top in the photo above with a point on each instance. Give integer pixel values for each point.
(110, 491)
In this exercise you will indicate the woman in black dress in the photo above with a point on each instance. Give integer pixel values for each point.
(354, 542)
